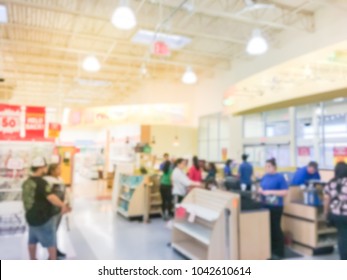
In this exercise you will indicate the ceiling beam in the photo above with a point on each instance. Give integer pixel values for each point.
(244, 19)
(125, 57)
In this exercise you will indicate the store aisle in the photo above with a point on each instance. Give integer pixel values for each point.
(109, 235)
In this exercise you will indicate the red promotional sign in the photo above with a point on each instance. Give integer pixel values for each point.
(35, 122)
(340, 154)
(10, 122)
(340, 151)
(304, 151)
(161, 48)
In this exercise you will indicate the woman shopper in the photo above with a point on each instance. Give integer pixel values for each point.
(211, 174)
(180, 181)
(58, 188)
(166, 190)
(273, 188)
(228, 171)
(335, 206)
(195, 172)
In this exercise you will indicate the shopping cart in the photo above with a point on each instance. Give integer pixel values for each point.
(12, 217)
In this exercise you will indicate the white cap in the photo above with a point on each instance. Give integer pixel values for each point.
(38, 162)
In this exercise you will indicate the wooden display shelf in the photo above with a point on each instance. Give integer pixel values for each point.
(191, 249)
(201, 212)
(327, 230)
(124, 198)
(205, 236)
(196, 231)
(123, 212)
(145, 197)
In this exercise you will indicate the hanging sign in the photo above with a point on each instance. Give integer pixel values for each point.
(10, 122)
(340, 154)
(161, 48)
(54, 130)
(35, 122)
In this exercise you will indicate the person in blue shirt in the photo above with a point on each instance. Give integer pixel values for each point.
(305, 174)
(228, 172)
(166, 158)
(273, 187)
(246, 172)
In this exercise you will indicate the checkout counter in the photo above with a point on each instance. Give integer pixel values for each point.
(304, 222)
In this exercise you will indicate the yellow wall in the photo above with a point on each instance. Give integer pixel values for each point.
(164, 138)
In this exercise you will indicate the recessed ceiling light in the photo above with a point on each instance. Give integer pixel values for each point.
(3, 14)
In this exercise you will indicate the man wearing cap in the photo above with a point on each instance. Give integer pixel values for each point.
(39, 202)
(246, 173)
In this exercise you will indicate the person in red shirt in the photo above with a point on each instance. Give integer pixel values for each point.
(195, 172)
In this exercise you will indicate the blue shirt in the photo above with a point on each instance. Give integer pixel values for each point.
(227, 171)
(301, 176)
(246, 172)
(273, 182)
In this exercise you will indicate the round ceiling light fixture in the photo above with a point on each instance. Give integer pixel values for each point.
(189, 77)
(91, 64)
(123, 17)
(257, 45)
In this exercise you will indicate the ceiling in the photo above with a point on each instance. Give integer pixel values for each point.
(315, 77)
(44, 42)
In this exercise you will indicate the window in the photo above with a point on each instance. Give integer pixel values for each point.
(253, 126)
(214, 137)
(277, 123)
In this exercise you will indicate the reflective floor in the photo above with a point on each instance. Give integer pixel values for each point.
(93, 231)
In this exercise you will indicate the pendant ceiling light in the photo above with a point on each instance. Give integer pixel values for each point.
(91, 64)
(189, 77)
(123, 17)
(257, 44)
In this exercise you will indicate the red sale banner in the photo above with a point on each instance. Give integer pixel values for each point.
(35, 122)
(10, 122)
(340, 154)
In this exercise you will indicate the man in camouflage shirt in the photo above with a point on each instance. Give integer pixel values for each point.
(39, 202)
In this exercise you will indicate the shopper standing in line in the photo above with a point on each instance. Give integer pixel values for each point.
(246, 173)
(305, 174)
(180, 181)
(211, 174)
(58, 188)
(39, 201)
(273, 188)
(335, 206)
(166, 158)
(228, 171)
(166, 190)
(195, 172)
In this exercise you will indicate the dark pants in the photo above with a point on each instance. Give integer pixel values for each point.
(248, 187)
(340, 222)
(166, 197)
(277, 238)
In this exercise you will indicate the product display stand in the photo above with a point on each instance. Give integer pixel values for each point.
(306, 225)
(137, 195)
(209, 226)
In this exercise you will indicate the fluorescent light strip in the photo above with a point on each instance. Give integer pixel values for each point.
(3, 14)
